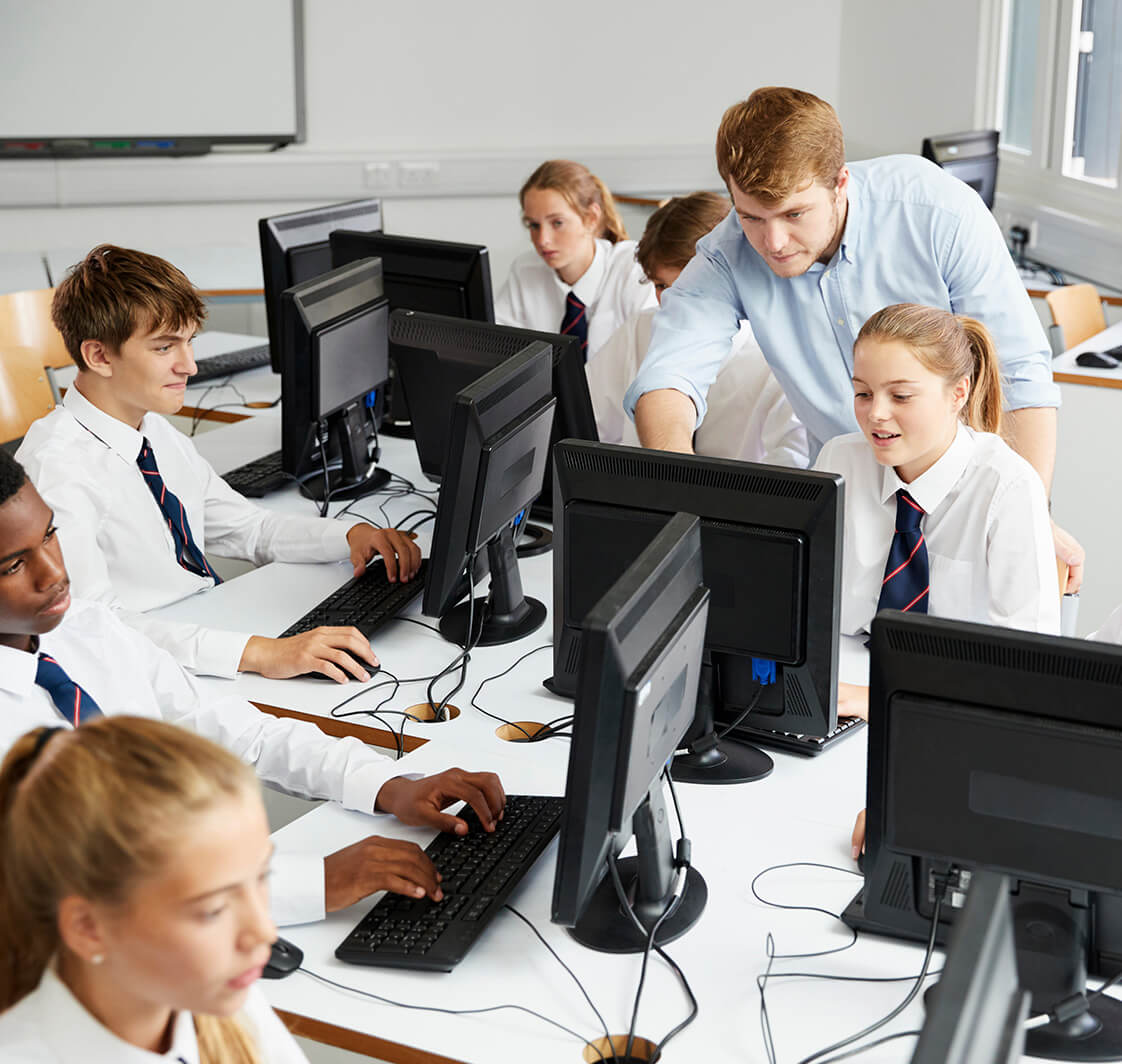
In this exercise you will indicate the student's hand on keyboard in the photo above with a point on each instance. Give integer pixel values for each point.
(853, 701)
(374, 864)
(858, 839)
(401, 555)
(338, 653)
(421, 803)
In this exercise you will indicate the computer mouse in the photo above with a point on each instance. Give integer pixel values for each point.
(371, 670)
(1097, 360)
(284, 960)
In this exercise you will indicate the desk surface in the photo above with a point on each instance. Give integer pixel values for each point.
(803, 812)
(1067, 370)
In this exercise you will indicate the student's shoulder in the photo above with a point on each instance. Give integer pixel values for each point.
(55, 434)
(992, 455)
(849, 451)
(21, 1032)
(528, 267)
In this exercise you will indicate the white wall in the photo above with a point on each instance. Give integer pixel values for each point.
(484, 89)
(907, 70)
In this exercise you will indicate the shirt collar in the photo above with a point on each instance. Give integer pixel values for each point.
(115, 434)
(17, 671)
(75, 1035)
(931, 488)
(587, 287)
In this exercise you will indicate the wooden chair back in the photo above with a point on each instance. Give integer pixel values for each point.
(25, 394)
(25, 321)
(1078, 310)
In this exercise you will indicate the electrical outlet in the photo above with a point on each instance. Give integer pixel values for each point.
(1032, 228)
(419, 174)
(378, 175)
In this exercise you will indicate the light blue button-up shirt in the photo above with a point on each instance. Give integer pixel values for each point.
(913, 234)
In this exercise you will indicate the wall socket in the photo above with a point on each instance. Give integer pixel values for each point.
(378, 175)
(1031, 228)
(419, 174)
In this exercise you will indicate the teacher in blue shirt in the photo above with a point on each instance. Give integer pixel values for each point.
(812, 248)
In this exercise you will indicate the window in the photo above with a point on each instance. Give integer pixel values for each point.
(1059, 87)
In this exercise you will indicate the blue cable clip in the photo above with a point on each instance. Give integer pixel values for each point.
(763, 671)
(371, 399)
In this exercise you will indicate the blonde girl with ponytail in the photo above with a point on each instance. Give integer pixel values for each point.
(134, 914)
(927, 399)
(581, 276)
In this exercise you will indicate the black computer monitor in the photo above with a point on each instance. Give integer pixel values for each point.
(294, 249)
(438, 355)
(999, 748)
(498, 444)
(976, 1012)
(334, 345)
(971, 157)
(434, 276)
(772, 545)
(635, 700)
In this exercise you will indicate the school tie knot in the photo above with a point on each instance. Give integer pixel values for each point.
(575, 322)
(73, 702)
(906, 574)
(187, 551)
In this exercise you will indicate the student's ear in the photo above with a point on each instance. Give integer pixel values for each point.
(961, 393)
(96, 356)
(80, 929)
(593, 218)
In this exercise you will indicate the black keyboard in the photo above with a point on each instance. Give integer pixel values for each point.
(226, 365)
(366, 602)
(258, 478)
(799, 744)
(479, 871)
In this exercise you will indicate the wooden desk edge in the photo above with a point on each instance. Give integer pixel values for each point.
(1095, 382)
(357, 1042)
(342, 729)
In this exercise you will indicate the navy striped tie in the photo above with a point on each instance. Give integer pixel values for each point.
(575, 322)
(906, 576)
(74, 703)
(187, 551)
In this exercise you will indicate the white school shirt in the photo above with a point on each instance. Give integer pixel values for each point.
(115, 539)
(51, 1026)
(612, 288)
(126, 674)
(988, 536)
(749, 417)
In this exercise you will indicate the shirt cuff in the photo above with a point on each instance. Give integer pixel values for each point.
(298, 892)
(334, 542)
(653, 382)
(1021, 394)
(220, 653)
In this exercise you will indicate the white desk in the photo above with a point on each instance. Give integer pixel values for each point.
(1066, 369)
(803, 812)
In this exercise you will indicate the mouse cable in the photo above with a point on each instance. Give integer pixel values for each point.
(871, 1045)
(572, 974)
(549, 731)
(940, 894)
(451, 1012)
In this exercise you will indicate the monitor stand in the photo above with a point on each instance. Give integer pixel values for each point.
(1052, 933)
(506, 614)
(357, 476)
(709, 759)
(648, 883)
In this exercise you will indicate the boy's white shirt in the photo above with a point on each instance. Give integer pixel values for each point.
(748, 416)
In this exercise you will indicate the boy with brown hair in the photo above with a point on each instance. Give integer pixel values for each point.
(138, 507)
(749, 417)
(814, 246)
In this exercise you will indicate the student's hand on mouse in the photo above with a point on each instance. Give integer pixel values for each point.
(1069, 550)
(374, 864)
(853, 701)
(421, 803)
(338, 653)
(858, 839)
(401, 555)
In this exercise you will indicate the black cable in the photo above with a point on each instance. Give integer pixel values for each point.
(740, 720)
(450, 1012)
(462, 659)
(572, 974)
(1112, 981)
(903, 1004)
(871, 1045)
(548, 731)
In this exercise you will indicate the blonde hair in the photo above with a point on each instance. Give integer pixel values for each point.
(91, 813)
(776, 141)
(952, 346)
(673, 231)
(581, 189)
